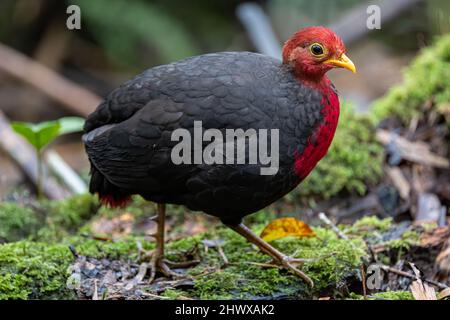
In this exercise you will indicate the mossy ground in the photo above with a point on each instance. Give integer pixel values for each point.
(332, 261)
(387, 295)
(45, 221)
(17, 222)
(38, 269)
(426, 80)
(34, 270)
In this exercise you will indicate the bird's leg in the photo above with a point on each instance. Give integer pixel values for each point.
(286, 261)
(157, 261)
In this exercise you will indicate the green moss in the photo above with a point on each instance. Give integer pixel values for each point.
(408, 238)
(387, 295)
(65, 217)
(173, 294)
(126, 248)
(17, 222)
(393, 295)
(38, 270)
(353, 161)
(373, 222)
(369, 226)
(381, 233)
(427, 79)
(332, 260)
(34, 270)
(50, 220)
(373, 228)
(219, 285)
(72, 212)
(12, 286)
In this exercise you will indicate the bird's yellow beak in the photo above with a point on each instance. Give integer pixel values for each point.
(342, 62)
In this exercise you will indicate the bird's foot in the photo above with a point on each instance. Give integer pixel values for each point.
(292, 264)
(281, 259)
(296, 262)
(158, 264)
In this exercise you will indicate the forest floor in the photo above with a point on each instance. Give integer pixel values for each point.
(107, 257)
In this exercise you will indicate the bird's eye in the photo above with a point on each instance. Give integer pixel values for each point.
(316, 49)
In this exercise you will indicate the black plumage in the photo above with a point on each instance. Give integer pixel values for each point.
(128, 137)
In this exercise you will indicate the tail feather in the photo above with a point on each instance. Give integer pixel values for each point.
(109, 194)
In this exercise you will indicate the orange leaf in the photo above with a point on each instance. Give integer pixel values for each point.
(285, 227)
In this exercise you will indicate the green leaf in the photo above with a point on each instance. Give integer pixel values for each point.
(46, 132)
(41, 134)
(25, 130)
(70, 125)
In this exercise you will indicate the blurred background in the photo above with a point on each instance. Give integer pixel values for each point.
(120, 38)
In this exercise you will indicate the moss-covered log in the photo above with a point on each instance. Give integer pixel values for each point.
(425, 85)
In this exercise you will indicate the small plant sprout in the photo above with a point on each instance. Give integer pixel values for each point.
(41, 134)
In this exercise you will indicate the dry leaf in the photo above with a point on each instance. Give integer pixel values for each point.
(285, 227)
(422, 291)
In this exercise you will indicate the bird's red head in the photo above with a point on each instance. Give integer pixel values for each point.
(313, 51)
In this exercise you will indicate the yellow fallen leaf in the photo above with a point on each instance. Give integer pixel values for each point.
(285, 227)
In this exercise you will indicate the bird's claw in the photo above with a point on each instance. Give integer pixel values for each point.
(296, 262)
(292, 264)
(159, 264)
(184, 264)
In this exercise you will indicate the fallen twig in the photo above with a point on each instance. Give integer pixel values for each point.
(399, 181)
(262, 264)
(218, 245)
(412, 276)
(148, 294)
(143, 267)
(95, 294)
(363, 279)
(222, 255)
(322, 216)
(73, 251)
(417, 152)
